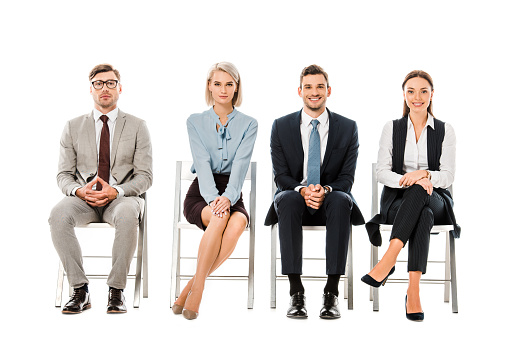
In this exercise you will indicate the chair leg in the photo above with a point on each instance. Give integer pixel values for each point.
(145, 262)
(273, 268)
(139, 261)
(375, 291)
(447, 278)
(250, 300)
(59, 286)
(455, 307)
(350, 271)
(175, 266)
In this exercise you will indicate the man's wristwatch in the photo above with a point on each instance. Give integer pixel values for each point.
(327, 189)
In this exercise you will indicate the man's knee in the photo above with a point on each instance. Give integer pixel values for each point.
(337, 199)
(126, 213)
(289, 198)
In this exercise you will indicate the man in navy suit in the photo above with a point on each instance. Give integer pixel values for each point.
(314, 165)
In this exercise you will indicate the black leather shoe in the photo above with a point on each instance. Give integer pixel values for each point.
(330, 309)
(297, 309)
(79, 302)
(116, 301)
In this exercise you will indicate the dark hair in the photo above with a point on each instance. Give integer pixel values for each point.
(311, 70)
(101, 69)
(417, 74)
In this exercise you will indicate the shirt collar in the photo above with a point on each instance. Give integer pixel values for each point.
(323, 118)
(430, 122)
(216, 117)
(112, 115)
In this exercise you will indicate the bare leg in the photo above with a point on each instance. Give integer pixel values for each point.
(217, 244)
(413, 292)
(383, 267)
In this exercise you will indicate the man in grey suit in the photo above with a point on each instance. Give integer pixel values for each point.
(105, 165)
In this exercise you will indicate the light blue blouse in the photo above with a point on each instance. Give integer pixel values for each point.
(226, 151)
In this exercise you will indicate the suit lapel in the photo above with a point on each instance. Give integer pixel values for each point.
(119, 125)
(90, 131)
(333, 133)
(296, 137)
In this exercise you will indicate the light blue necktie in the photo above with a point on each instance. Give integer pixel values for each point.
(314, 161)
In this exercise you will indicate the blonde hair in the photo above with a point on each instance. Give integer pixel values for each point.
(230, 69)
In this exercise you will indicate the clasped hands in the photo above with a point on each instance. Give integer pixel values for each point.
(314, 195)
(417, 177)
(220, 206)
(97, 198)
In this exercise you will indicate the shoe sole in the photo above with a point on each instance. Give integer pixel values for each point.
(329, 318)
(115, 311)
(297, 316)
(85, 307)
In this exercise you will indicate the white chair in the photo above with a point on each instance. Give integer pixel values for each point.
(141, 261)
(275, 256)
(450, 276)
(183, 174)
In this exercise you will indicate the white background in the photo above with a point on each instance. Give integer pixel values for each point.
(163, 50)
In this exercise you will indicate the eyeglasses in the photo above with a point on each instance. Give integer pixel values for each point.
(98, 84)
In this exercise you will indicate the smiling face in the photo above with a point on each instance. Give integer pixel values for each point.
(105, 99)
(223, 88)
(314, 92)
(418, 95)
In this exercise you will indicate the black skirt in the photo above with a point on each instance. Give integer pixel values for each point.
(194, 203)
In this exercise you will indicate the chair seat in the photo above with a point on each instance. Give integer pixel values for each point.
(435, 228)
(187, 226)
(96, 225)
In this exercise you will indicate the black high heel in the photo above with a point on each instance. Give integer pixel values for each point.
(414, 316)
(374, 283)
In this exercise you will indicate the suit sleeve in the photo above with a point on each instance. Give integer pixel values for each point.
(142, 176)
(66, 177)
(281, 171)
(346, 176)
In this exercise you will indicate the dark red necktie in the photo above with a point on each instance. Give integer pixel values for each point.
(104, 153)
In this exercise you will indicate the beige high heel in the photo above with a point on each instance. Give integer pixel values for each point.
(177, 309)
(189, 315)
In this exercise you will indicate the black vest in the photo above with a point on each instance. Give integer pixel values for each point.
(434, 148)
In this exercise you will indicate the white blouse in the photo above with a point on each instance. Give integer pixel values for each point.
(415, 155)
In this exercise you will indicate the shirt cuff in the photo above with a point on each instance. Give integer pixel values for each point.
(73, 193)
(298, 188)
(121, 192)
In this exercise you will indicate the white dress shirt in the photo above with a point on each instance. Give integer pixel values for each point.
(415, 155)
(305, 130)
(112, 115)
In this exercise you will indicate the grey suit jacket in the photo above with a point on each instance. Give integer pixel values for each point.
(131, 154)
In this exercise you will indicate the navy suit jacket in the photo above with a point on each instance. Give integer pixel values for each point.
(339, 163)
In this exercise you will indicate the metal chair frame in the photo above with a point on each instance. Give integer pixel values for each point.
(141, 260)
(348, 278)
(183, 173)
(450, 278)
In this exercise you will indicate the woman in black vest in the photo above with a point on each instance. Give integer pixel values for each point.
(416, 163)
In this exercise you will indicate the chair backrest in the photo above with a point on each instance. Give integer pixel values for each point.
(375, 191)
(184, 175)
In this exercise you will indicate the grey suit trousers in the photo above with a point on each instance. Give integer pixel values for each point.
(123, 213)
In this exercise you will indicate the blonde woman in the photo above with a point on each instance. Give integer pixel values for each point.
(221, 140)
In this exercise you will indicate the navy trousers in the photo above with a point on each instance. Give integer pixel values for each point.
(335, 213)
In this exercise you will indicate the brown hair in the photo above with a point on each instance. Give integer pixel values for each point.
(417, 74)
(311, 70)
(101, 69)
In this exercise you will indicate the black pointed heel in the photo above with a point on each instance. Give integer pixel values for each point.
(414, 316)
(374, 283)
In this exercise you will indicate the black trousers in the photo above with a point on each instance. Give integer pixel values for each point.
(335, 213)
(413, 213)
